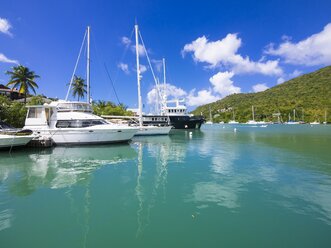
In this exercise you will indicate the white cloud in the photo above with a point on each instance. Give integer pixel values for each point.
(314, 50)
(296, 73)
(193, 98)
(143, 68)
(260, 87)
(158, 64)
(124, 67)
(171, 91)
(224, 53)
(286, 77)
(141, 50)
(125, 41)
(201, 97)
(280, 80)
(4, 59)
(5, 26)
(213, 52)
(223, 84)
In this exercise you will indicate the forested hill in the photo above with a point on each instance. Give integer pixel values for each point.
(309, 95)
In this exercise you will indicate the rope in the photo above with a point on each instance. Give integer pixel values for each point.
(112, 83)
(150, 65)
(73, 74)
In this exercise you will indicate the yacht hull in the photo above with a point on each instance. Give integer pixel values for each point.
(186, 122)
(176, 121)
(81, 136)
(7, 141)
(153, 130)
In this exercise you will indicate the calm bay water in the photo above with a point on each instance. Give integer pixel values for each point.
(256, 187)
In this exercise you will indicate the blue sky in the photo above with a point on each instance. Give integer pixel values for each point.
(212, 48)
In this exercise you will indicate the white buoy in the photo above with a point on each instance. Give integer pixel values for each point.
(235, 130)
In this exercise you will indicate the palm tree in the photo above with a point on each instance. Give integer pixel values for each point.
(79, 87)
(23, 79)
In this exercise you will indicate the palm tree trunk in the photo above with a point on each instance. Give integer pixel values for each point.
(24, 98)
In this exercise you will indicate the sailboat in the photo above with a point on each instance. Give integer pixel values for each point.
(325, 122)
(292, 122)
(70, 122)
(210, 118)
(252, 122)
(233, 121)
(172, 111)
(145, 129)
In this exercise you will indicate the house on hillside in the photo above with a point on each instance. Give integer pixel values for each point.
(13, 94)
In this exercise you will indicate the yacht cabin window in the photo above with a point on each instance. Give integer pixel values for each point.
(35, 112)
(79, 123)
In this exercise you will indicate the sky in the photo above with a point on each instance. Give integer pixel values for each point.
(212, 48)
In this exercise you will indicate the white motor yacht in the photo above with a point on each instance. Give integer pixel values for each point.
(68, 122)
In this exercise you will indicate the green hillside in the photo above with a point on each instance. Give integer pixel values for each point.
(309, 95)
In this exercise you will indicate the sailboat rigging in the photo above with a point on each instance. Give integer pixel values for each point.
(70, 122)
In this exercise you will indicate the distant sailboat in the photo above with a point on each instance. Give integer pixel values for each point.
(210, 118)
(292, 122)
(233, 121)
(252, 122)
(325, 122)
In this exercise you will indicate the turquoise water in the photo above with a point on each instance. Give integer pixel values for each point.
(214, 187)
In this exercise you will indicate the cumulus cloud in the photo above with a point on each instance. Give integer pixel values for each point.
(260, 87)
(223, 85)
(4, 59)
(5, 26)
(171, 91)
(213, 52)
(124, 67)
(125, 41)
(141, 50)
(201, 97)
(158, 64)
(143, 68)
(295, 73)
(224, 53)
(314, 50)
(280, 80)
(289, 76)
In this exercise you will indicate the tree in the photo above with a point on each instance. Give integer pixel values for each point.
(79, 87)
(23, 79)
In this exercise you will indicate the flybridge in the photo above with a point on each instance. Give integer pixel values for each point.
(73, 107)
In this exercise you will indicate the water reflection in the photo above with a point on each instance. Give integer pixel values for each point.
(58, 167)
(280, 162)
(158, 152)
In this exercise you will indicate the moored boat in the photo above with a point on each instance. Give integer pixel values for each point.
(146, 129)
(68, 122)
(13, 137)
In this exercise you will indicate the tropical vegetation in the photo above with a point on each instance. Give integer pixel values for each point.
(78, 87)
(309, 95)
(110, 108)
(22, 79)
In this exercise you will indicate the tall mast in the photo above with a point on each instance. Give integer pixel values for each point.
(253, 113)
(138, 78)
(88, 65)
(164, 100)
(293, 114)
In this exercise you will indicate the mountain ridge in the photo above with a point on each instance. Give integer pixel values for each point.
(308, 94)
